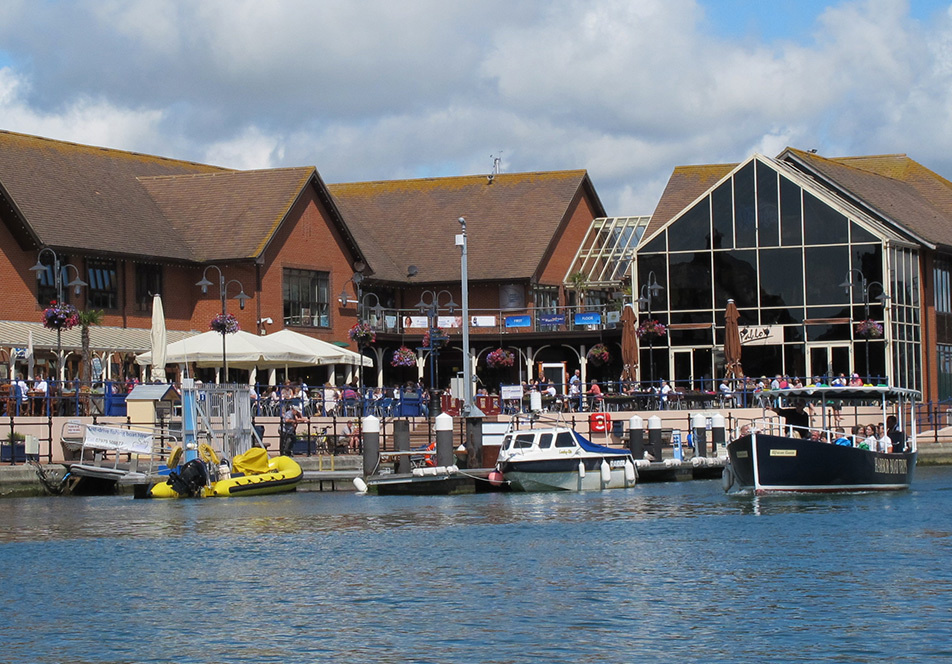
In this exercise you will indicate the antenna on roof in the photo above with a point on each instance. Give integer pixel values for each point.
(496, 164)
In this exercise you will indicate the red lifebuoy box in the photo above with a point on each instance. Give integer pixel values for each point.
(599, 422)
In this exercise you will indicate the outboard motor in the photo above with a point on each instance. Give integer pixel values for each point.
(190, 479)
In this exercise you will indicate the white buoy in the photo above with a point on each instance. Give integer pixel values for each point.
(581, 469)
(629, 471)
(606, 472)
(360, 485)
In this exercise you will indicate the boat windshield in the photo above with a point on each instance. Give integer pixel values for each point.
(523, 441)
(565, 439)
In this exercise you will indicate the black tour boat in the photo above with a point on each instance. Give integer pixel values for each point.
(774, 457)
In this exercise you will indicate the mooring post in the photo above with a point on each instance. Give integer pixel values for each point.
(371, 435)
(444, 440)
(401, 439)
(636, 437)
(717, 433)
(474, 442)
(654, 436)
(700, 435)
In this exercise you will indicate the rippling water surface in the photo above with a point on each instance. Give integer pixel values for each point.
(659, 573)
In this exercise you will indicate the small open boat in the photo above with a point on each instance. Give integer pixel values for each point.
(558, 458)
(773, 458)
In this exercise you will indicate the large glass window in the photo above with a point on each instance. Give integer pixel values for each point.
(768, 218)
(148, 283)
(781, 284)
(821, 223)
(692, 232)
(103, 289)
(306, 298)
(735, 277)
(745, 210)
(942, 280)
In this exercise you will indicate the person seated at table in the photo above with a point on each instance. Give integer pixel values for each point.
(595, 393)
(856, 381)
(574, 394)
(665, 391)
(39, 392)
(287, 391)
(550, 390)
(725, 389)
(839, 381)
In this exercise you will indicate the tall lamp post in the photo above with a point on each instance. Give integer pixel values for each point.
(223, 293)
(469, 408)
(77, 283)
(649, 291)
(429, 304)
(362, 307)
(866, 287)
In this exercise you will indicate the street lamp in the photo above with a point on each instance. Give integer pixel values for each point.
(649, 291)
(76, 283)
(222, 293)
(429, 304)
(362, 307)
(469, 409)
(866, 287)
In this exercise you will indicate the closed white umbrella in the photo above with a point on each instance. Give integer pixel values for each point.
(159, 338)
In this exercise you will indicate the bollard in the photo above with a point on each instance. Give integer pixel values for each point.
(636, 437)
(444, 440)
(717, 432)
(371, 435)
(401, 441)
(700, 435)
(654, 436)
(474, 442)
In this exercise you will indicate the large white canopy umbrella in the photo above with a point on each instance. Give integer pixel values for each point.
(323, 352)
(244, 351)
(159, 339)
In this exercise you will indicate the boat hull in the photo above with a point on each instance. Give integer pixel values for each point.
(564, 475)
(283, 476)
(781, 464)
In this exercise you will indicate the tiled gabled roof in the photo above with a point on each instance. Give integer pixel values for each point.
(88, 198)
(228, 215)
(511, 222)
(894, 187)
(102, 201)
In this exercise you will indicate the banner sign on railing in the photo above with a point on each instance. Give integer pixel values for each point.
(483, 321)
(120, 440)
(518, 321)
(588, 319)
(508, 392)
(551, 319)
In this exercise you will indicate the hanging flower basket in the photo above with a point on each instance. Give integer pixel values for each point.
(403, 357)
(651, 329)
(500, 358)
(60, 316)
(439, 338)
(224, 324)
(598, 355)
(362, 334)
(869, 329)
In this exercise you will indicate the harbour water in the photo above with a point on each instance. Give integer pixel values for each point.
(659, 573)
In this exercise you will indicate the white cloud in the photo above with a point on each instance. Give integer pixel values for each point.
(377, 90)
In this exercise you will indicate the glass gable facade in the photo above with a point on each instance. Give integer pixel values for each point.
(784, 255)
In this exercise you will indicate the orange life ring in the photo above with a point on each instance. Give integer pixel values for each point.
(428, 458)
(599, 422)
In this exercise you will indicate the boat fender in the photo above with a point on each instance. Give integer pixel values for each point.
(452, 470)
(697, 462)
(581, 469)
(643, 463)
(495, 478)
(360, 485)
(174, 457)
(629, 472)
(208, 455)
(416, 472)
(429, 471)
(727, 478)
(671, 463)
(606, 471)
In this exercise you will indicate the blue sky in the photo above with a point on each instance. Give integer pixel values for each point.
(627, 89)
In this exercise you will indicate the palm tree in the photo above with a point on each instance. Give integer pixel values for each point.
(87, 319)
(579, 283)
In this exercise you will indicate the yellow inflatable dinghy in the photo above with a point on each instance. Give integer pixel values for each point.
(252, 474)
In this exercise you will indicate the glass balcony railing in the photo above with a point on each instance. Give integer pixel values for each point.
(496, 321)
